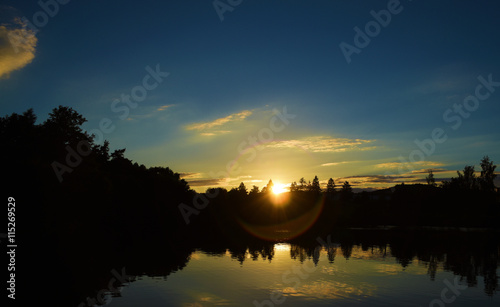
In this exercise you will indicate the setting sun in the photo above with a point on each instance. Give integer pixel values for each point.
(279, 188)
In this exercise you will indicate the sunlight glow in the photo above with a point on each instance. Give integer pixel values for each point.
(279, 188)
(282, 247)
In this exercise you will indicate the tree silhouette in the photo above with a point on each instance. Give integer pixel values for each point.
(269, 187)
(330, 186)
(302, 184)
(430, 178)
(242, 189)
(64, 126)
(467, 180)
(254, 190)
(346, 191)
(315, 187)
(487, 177)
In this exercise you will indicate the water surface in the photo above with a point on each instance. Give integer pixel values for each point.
(400, 271)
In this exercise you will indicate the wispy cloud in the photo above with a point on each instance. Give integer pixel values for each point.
(324, 144)
(434, 170)
(150, 112)
(363, 180)
(216, 132)
(408, 165)
(393, 179)
(17, 47)
(448, 80)
(334, 163)
(219, 122)
(205, 182)
(187, 176)
(200, 180)
(163, 108)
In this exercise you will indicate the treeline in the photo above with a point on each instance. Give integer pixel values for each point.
(71, 183)
(465, 201)
(467, 180)
(313, 187)
(81, 207)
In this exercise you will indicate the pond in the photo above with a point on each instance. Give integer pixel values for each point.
(358, 269)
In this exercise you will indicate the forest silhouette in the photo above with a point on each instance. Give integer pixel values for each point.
(84, 210)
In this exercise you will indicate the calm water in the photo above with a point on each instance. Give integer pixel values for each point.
(400, 273)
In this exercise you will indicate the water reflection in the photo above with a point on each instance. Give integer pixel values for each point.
(362, 266)
(365, 266)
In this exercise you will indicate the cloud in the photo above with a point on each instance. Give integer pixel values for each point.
(378, 179)
(434, 170)
(333, 163)
(217, 132)
(198, 180)
(190, 175)
(324, 144)
(448, 80)
(17, 48)
(149, 113)
(256, 181)
(409, 165)
(220, 121)
(205, 182)
(163, 108)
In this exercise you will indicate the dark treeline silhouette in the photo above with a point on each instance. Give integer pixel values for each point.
(84, 211)
(104, 204)
(465, 201)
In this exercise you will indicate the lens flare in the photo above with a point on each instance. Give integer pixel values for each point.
(286, 230)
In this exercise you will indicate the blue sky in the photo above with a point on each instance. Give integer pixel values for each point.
(227, 78)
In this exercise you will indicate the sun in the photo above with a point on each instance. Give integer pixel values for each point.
(279, 188)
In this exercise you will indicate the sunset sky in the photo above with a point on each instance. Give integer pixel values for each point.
(246, 91)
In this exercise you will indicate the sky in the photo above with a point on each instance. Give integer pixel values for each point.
(229, 91)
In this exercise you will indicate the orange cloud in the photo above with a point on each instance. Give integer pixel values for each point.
(220, 121)
(17, 48)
